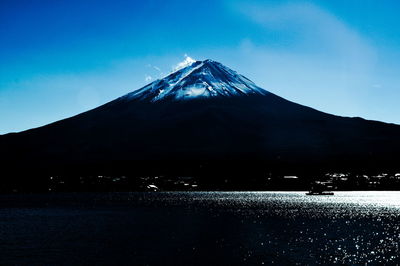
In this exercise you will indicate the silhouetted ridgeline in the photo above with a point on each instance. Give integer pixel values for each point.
(205, 122)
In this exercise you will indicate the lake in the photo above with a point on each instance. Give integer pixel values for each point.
(200, 228)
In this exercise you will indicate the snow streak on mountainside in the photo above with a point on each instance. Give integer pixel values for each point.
(201, 79)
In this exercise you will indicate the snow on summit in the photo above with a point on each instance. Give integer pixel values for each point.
(197, 79)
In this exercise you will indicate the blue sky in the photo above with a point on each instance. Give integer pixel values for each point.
(60, 58)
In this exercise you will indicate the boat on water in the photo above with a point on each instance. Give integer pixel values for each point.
(320, 188)
(320, 193)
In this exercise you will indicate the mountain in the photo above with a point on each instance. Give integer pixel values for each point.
(201, 79)
(204, 118)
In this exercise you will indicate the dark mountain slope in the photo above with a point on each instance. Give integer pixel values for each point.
(207, 114)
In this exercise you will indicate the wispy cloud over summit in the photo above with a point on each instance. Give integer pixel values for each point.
(187, 62)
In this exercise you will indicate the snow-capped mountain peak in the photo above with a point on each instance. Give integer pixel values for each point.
(199, 79)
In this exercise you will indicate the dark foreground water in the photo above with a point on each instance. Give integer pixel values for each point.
(196, 228)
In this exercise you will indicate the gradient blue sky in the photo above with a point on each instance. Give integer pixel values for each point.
(60, 58)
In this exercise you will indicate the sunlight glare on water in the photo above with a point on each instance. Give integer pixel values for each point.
(201, 228)
(347, 228)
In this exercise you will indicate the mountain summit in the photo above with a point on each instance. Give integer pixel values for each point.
(200, 79)
(205, 120)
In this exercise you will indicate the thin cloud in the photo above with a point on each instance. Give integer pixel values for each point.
(160, 73)
(377, 86)
(315, 57)
(313, 28)
(187, 62)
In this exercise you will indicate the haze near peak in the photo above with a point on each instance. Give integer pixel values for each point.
(187, 62)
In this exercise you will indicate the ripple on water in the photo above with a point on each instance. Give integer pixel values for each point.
(347, 228)
(250, 227)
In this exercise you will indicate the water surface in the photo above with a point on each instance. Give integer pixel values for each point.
(200, 228)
